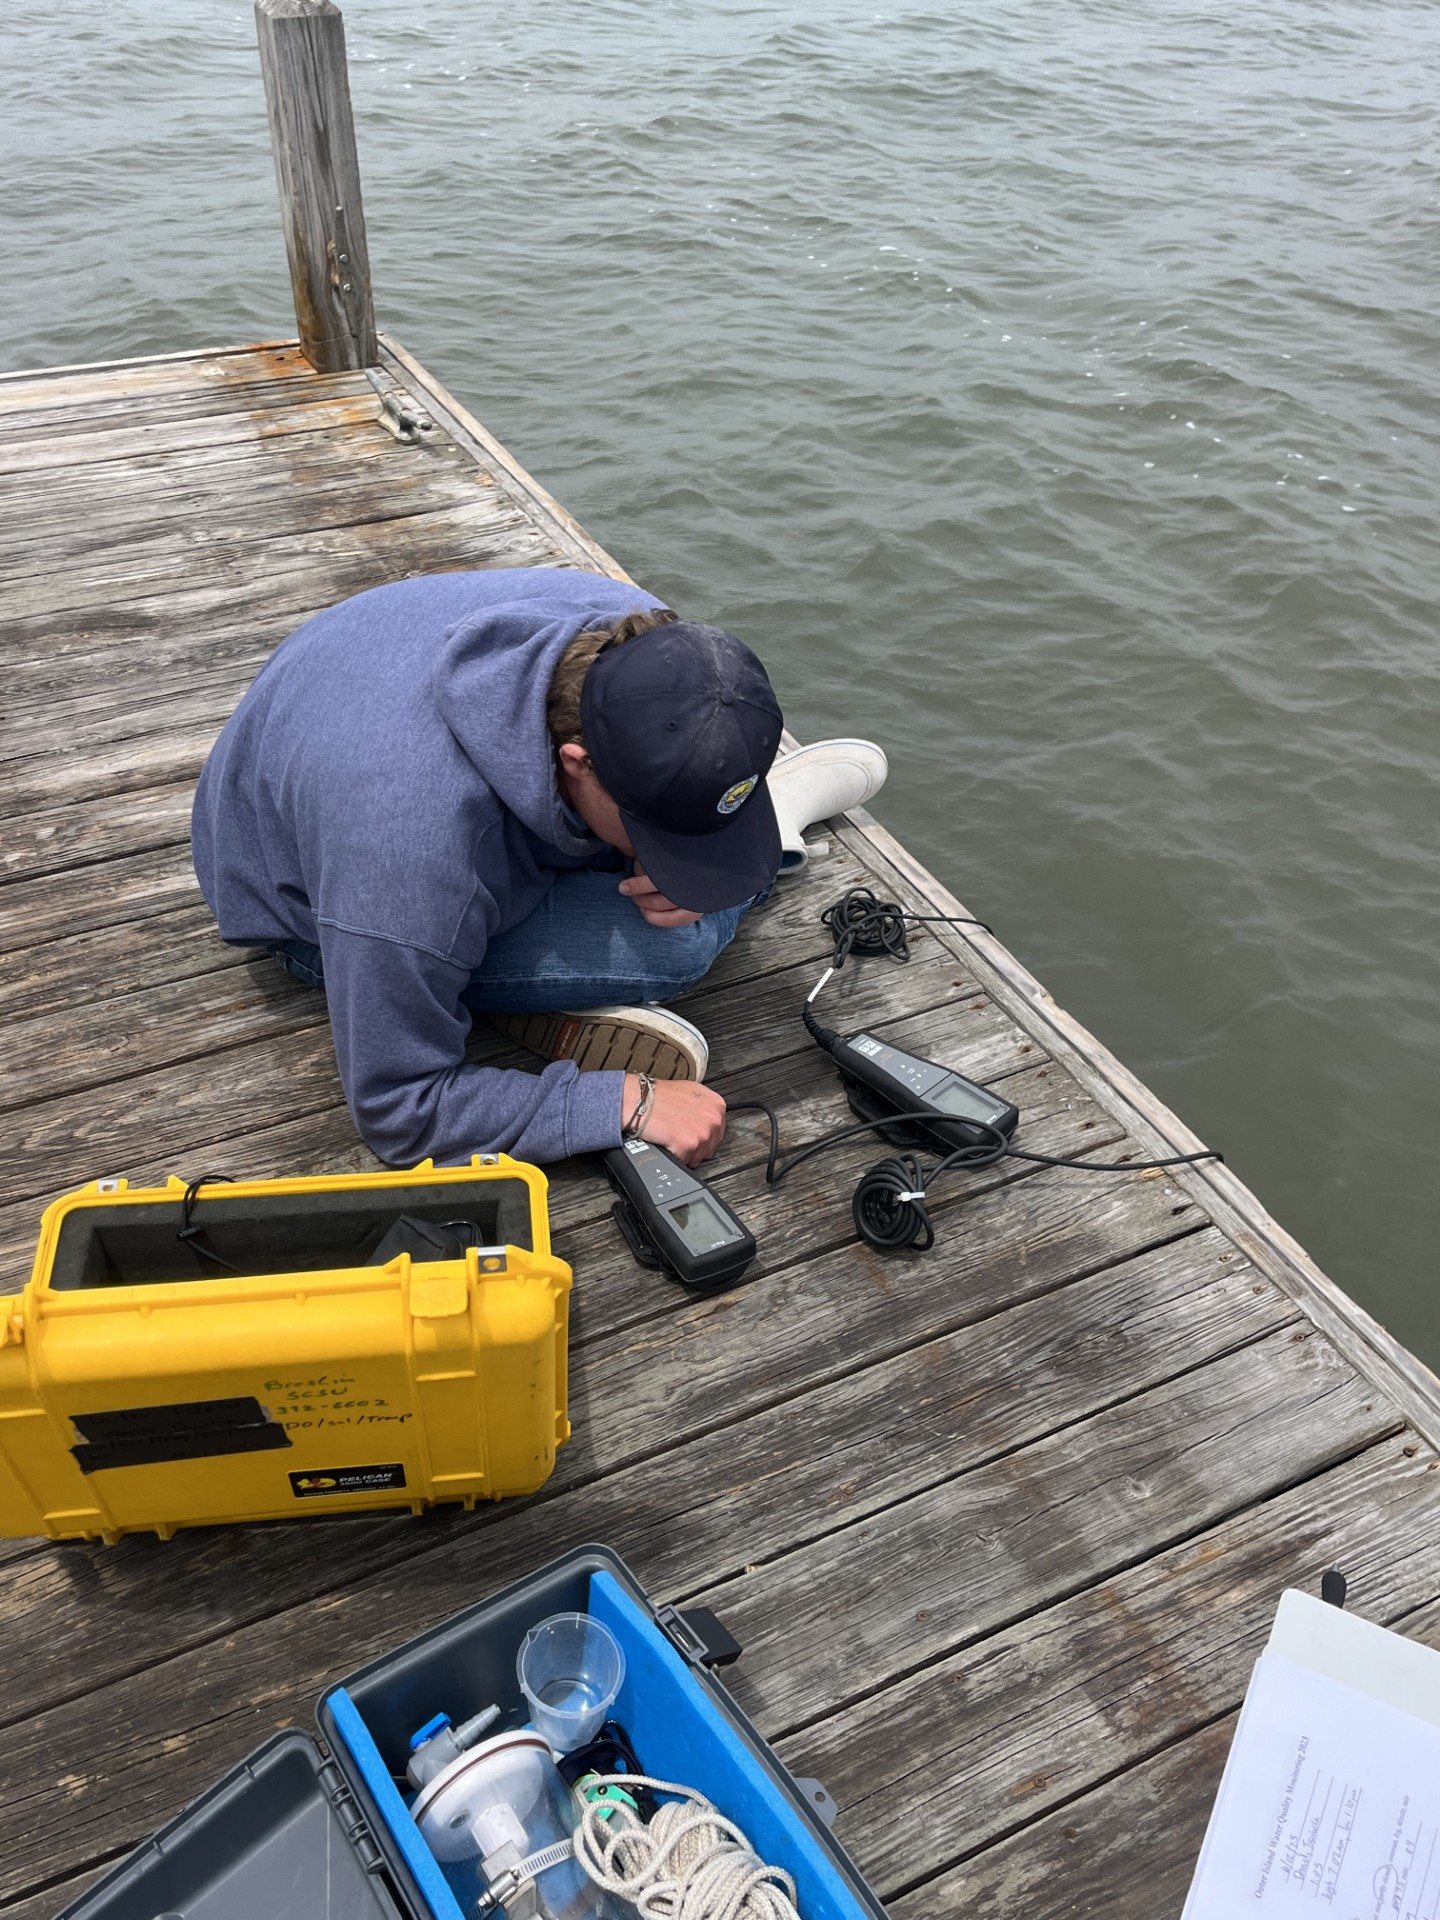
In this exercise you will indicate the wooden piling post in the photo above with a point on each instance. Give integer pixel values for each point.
(307, 94)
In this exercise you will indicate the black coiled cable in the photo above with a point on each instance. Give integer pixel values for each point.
(888, 1206)
(861, 923)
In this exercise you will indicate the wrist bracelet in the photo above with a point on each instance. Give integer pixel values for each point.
(634, 1129)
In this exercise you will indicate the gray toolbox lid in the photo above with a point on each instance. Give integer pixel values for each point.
(276, 1835)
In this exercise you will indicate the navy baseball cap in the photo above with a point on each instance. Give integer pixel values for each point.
(681, 725)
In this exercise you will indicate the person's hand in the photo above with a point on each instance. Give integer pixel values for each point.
(686, 1118)
(653, 905)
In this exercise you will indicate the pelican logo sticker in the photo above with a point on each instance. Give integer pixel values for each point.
(735, 797)
(323, 1480)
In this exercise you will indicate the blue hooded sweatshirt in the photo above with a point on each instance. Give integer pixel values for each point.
(386, 791)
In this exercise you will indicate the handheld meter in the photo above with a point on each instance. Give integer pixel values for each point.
(882, 1079)
(671, 1218)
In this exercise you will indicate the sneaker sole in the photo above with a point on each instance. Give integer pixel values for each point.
(626, 1041)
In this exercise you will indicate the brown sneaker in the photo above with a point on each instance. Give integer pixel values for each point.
(623, 1039)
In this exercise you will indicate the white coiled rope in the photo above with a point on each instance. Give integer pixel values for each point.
(689, 1863)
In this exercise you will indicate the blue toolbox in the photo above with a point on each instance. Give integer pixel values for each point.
(432, 1796)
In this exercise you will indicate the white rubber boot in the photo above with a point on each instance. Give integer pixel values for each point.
(817, 782)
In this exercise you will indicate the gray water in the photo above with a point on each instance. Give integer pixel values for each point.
(1047, 389)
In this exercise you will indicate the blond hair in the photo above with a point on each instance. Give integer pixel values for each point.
(562, 703)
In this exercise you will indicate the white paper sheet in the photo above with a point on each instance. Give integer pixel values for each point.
(1329, 1806)
(1350, 1648)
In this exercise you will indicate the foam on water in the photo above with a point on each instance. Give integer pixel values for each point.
(1047, 388)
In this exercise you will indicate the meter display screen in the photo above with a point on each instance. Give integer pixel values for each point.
(701, 1225)
(962, 1101)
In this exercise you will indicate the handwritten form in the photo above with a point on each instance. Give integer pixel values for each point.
(1329, 1806)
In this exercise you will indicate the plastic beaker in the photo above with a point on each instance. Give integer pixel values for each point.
(571, 1668)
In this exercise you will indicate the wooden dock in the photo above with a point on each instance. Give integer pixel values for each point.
(1001, 1526)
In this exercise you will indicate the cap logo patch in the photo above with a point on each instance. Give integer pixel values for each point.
(736, 796)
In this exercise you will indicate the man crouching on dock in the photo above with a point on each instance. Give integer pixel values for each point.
(531, 793)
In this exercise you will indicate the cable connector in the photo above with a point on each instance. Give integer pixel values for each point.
(814, 992)
(824, 1037)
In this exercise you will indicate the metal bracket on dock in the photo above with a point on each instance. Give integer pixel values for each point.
(401, 415)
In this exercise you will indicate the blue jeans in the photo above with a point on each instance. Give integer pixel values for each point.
(585, 945)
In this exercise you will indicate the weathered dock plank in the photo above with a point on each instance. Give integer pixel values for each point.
(1023, 1720)
(58, 906)
(55, 1896)
(41, 981)
(1074, 1509)
(85, 1047)
(85, 669)
(85, 832)
(33, 454)
(1128, 1847)
(486, 531)
(154, 744)
(116, 382)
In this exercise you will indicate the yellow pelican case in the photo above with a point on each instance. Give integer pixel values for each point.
(145, 1387)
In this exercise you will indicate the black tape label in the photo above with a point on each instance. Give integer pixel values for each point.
(332, 1480)
(183, 1430)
